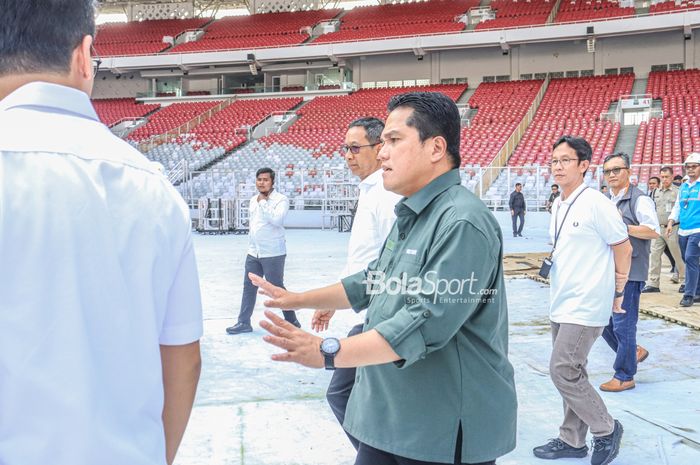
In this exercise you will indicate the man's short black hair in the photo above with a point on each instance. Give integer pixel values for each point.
(678, 177)
(434, 114)
(579, 144)
(555, 185)
(658, 180)
(666, 169)
(39, 36)
(265, 170)
(623, 155)
(518, 184)
(373, 128)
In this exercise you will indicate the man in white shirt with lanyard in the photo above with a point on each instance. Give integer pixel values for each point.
(589, 266)
(639, 214)
(267, 248)
(686, 212)
(373, 220)
(100, 314)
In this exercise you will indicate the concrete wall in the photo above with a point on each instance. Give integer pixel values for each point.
(107, 85)
(393, 67)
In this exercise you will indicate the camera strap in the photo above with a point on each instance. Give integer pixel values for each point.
(557, 229)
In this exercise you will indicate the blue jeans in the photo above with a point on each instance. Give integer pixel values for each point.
(690, 251)
(621, 333)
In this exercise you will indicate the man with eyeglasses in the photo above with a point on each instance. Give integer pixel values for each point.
(100, 314)
(374, 218)
(639, 214)
(664, 198)
(590, 261)
(686, 213)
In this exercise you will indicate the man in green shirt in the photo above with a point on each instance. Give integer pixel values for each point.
(434, 384)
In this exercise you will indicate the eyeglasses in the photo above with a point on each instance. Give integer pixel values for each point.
(564, 162)
(96, 61)
(615, 171)
(691, 166)
(355, 148)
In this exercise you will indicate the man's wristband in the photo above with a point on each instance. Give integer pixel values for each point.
(619, 293)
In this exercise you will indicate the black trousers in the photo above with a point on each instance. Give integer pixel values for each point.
(272, 269)
(367, 455)
(518, 214)
(340, 388)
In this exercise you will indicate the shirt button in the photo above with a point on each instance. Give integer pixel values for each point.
(427, 314)
(402, 236)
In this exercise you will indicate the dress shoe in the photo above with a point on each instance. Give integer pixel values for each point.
(642, 354)
(558, 449)
(239, 328)
(606, 448)
(686, 301)
(650, 289)
(296, 323)
(681, 289)
(615, 385)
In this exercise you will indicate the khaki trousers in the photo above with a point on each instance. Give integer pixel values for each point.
(657, 249)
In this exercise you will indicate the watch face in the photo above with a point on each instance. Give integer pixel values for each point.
(330, 345)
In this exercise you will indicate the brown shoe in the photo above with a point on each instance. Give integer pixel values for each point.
(642, 354)
(615, 385)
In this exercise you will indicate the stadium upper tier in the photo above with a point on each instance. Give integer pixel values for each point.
(668, 140)
(362, 23)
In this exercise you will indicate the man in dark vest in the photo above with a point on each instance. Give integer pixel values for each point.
(639, 214)
(517, 209)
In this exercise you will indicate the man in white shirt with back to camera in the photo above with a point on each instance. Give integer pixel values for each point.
(267, 249)
(373, 220)
(590, 263)
(100, 314)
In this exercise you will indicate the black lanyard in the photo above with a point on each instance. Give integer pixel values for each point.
(557, 230)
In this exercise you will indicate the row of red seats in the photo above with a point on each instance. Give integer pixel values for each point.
(510, 13)
(673, 5)
(171, 117)
(141, 37)
(323, 121)
(501, 107)
(409, 19)
(113, 110)
(573, 106)
(589, 10)
(669, 140)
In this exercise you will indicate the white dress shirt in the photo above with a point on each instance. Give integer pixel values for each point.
(97, 270)
(373, 220)
(644, 210)
(266, 220)
(582, 277)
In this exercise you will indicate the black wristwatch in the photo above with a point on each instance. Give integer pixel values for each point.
(619, 294)
(329, 349)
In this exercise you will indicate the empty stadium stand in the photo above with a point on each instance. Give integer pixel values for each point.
(672, 5)
(256, 31)
(141, 37)
(112, 111)
(408, 19)
(511, 13)
(670, 139)
(591, 10)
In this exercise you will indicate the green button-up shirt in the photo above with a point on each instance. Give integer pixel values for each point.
(437, 295)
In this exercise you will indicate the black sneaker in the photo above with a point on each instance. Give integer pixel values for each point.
(681, 289)
(650, 289)
(686, 301)
(239, 328)
(606, 448)
(558, 449)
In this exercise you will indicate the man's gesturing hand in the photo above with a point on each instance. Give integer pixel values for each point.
(301, 347)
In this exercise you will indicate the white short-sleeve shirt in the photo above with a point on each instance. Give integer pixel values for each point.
(97, 270)
(582, 278)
